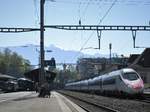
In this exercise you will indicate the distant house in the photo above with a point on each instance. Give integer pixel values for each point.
(91, 67)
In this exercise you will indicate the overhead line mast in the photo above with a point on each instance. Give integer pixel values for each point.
(42, 72)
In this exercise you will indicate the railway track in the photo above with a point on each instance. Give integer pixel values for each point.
(88, 105)
(107, 104)
(146, 98)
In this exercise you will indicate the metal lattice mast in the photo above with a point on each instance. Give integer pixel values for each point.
(42, 73)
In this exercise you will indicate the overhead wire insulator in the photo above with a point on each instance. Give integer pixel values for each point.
(99, 38)
(134, 37)
(80, 22)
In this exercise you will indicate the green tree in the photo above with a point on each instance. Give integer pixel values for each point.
(13, 64)
(67, 75)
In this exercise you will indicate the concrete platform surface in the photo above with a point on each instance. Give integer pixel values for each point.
(15, 95)
(56, 103)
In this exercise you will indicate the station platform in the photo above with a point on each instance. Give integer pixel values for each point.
(56, 103)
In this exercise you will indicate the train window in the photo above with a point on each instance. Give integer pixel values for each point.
(109, 81)
(97, 82)
(92, 83)
(100, 81)
(130, 76)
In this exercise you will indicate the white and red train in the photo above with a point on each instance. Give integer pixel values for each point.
(124, 81)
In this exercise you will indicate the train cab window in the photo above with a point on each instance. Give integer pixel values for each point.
(130, 76)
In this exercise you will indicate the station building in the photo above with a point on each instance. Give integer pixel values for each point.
(34, 75)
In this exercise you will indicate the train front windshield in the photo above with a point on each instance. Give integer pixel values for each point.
(130, 76)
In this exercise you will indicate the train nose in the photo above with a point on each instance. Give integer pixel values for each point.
(138, 85)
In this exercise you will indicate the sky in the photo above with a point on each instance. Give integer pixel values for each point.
(25, 13)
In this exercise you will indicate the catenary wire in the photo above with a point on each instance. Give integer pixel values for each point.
(107, 12)
(107, 2)
(36, 10)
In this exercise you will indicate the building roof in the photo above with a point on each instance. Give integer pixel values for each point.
(143, 60)
(133, 57)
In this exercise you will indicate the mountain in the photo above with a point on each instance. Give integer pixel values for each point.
(32, 53)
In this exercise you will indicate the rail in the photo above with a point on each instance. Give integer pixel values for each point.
(105, 108)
